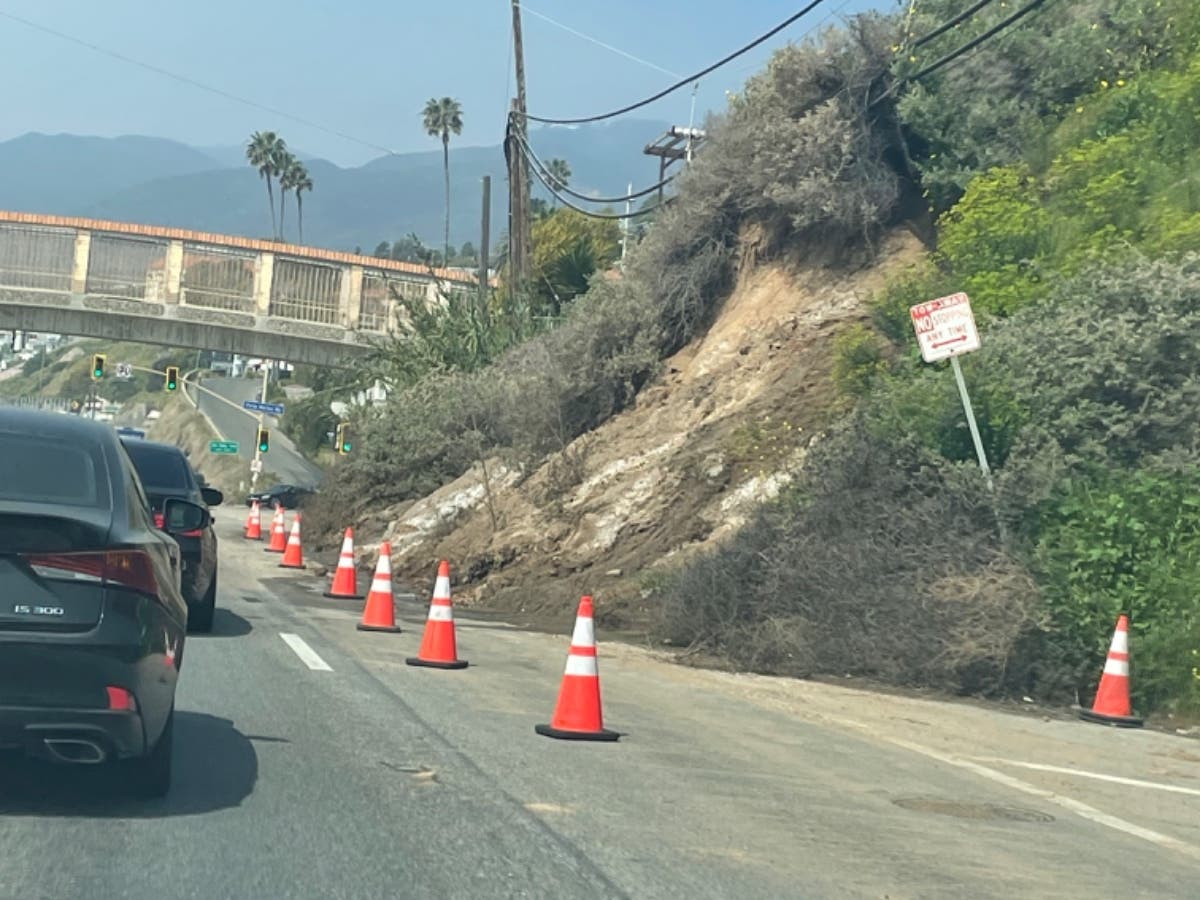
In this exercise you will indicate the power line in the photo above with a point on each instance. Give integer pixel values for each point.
(950, 57)
(184, 79)
(946, 26)
(953, 55)
(683, 82)
(599, 43)
(533, 157)
(547, 183)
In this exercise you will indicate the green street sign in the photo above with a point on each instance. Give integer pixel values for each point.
(223, 447)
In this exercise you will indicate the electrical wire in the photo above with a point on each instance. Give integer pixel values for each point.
(547, 184)
(599, 43)
(950, 57)
(684, 82)
(953, 55)
(529, 154)
(184, 79)
(946, 26)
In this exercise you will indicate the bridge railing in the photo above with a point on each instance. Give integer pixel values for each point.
(165, 268)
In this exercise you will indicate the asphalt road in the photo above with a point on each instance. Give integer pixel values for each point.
(351, 775)
(283, 458)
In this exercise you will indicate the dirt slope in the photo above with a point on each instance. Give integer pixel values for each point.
(717, 433)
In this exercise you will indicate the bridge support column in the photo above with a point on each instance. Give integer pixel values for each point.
(351, 300)
(79, 267)
(174, 270)
(264, 274)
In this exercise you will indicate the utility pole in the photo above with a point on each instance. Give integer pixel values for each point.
(485, 236)
(519, 237)
(625, 227)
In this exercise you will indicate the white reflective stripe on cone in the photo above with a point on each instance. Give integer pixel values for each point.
(582, 665)
(585, 632)
(1120, 642)
(441, 589)
(346, 562)
(385, 566)
(381, 586)
(440, 613)
(1117, 667)
(347, 546)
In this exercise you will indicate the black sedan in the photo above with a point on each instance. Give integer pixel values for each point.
(289, 496)
(165, 472)
(92, 618)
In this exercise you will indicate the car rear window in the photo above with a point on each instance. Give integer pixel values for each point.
(159, 468)
(41, 469)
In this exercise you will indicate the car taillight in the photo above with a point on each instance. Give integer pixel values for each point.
(159, 521)
(128, 568)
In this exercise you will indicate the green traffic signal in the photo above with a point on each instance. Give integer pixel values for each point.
(98, 366)
(172, 377)
(264, 440)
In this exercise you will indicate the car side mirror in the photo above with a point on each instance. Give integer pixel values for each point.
(180, 516)
(212, 496)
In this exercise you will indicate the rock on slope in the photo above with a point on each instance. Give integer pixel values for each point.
(715, 434)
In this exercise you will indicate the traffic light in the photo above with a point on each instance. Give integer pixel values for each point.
(344, 442)
(98, 366)
(172, 377)
(264, 440)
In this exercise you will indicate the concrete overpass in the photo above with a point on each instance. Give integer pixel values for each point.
(183, 288)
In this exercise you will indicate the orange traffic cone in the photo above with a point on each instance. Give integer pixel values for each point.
(1112, 705)
(293, 555)
(345, 578)
(278, 536)
(577, 716)
(380, 612)
(439, 649)
(254, 523)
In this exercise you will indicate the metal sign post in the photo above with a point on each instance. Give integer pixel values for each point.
(945, 330)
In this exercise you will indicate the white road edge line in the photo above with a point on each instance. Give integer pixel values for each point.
(1080, 809)
(1099, 776)
(307, 654)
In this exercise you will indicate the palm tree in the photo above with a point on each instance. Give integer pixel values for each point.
(301, 181)
(559, 172)
(441, 118)
(283, 165)
(263, 152)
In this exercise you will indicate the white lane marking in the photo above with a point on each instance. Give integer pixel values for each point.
(306, 653)
(1099, 776)
(1080, 809)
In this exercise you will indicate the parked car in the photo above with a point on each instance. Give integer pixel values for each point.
(289, 496)
(92, 616)
(165, 473)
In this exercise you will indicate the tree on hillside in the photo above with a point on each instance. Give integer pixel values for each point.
(468, 252)
(559, 171)
(442, 118)
(383, 250)
(263, 152)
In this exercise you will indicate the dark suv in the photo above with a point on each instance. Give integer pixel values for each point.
(92, 620)
(165, 473)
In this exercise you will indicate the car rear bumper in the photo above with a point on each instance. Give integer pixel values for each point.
(59, 684)
(50, 733)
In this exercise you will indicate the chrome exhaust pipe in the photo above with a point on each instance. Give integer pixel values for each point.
(77, 751)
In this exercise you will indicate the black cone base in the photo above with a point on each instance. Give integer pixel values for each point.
(1101, 719)
(434, 664)
(602, 735)
(386, 629)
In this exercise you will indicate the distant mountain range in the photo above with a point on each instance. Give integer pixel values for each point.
(156, 181)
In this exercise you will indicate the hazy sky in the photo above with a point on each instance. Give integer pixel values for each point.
(365, 67)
